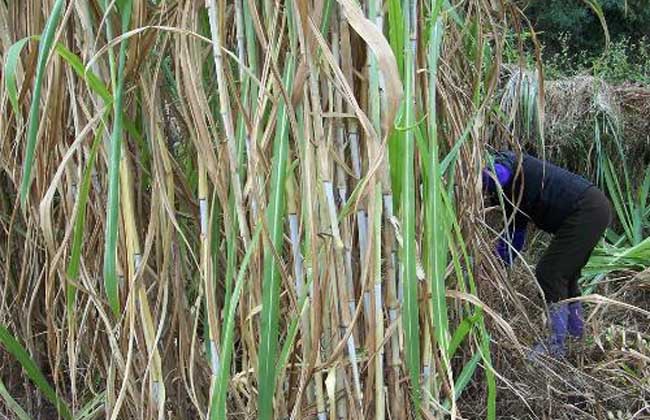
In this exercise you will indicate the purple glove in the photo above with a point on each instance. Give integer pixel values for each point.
(502, 173)
(505, 251)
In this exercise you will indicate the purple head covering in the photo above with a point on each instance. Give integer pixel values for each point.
(503, 176)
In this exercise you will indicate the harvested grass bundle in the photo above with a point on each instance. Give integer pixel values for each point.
(575, 101)
(584, 119)
(575, 106)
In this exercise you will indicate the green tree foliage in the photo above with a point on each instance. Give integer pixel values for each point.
(625, 19)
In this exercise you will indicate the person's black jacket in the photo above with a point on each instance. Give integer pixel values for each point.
(542, 192)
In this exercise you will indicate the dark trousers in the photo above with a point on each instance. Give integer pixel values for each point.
(558, 271)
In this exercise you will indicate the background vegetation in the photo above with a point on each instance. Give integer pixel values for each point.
(553, 18)
(574, 40)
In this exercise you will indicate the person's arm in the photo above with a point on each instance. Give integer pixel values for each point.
(512, 242)
(509, 246)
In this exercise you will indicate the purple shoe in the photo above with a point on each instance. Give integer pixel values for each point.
(576, 320)
(554, 346)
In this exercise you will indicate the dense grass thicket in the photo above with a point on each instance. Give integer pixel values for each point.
(245, 208)
(272, 209)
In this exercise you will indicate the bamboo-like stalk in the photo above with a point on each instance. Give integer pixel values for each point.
(380, 410)
(390, 259)
(134, 258)
(311, 261)
(329, 218)
(308, 220)
(392, 305)
(216, 17)
(294, 235)
(352, 130)
(352, 134)
(374, 106)
(319, 171)
(346, 406)
(347, 302)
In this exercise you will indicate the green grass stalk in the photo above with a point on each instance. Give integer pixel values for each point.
(44, 49)
(410, 312)
(115, 149)
(270, 288)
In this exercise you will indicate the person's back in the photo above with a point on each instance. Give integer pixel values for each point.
(549, 194)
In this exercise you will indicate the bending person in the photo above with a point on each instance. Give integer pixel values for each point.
(563, 204)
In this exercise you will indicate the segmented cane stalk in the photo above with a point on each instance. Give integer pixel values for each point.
(380, 410)
(312, 257)
(347, 302)
(211, 309)
(392, 304)
(217, 16)
(352, 129)
(134, 272)
(374, 107)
